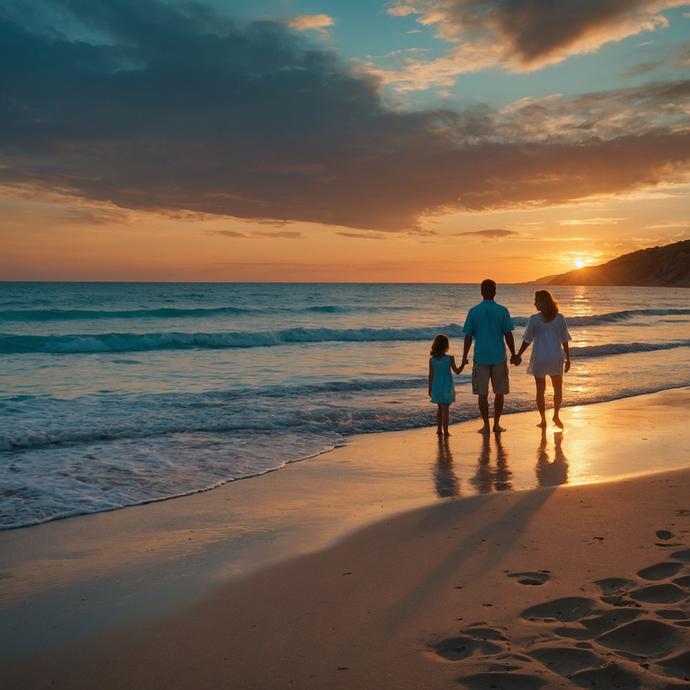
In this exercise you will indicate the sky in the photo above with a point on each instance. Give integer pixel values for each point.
(350, 140)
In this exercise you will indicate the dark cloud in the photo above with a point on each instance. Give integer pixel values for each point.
(173, 108)
(489, 234)
(540, 28)
(364, 235)
(534, 30)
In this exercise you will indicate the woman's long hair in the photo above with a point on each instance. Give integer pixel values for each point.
(546, 304)
(440, 346)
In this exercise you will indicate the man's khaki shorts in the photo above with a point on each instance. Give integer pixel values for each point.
(498, 373)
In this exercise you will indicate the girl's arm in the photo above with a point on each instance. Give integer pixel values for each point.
(566, 349)
(452, 365)
(431, 375)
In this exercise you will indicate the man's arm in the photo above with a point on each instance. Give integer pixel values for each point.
(510, 342)
(465, 352)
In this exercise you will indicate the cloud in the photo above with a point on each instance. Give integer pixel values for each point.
(177, 110)
(519, 36)
(364, 235)
(316, 22)
(489, 235)
(260, 235)
(677, 58)
(401, 10)
(592, 221)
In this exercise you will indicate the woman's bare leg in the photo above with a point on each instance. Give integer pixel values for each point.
(557, 382)
(541, 402)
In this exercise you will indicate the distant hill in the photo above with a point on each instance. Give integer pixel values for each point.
(667, 266)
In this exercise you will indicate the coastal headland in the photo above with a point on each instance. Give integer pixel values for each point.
(517, 561)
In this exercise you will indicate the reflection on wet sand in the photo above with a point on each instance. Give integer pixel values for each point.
(446, 482)
(551, 473)
(488, 478)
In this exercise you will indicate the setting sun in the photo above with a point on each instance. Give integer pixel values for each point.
(579, 263)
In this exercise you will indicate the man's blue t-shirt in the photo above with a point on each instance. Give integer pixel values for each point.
(487, 322)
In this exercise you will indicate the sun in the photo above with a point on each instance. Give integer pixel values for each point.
(579, 263)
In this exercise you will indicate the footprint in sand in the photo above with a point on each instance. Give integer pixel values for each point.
(646, 638)
(533, 579)
(628, 638)
(459, 648)
(683, 581)
(668, 593)
(565, 660)
(677, 666)
(566, 610)
(660, 571)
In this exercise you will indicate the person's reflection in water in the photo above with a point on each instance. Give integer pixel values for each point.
(447, 484)
(502, 474)
(488, 479)
(551, 473)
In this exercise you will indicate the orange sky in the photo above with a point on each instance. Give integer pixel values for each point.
(283, 151)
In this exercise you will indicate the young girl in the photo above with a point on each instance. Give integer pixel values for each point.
(549, 331)
(441, 387)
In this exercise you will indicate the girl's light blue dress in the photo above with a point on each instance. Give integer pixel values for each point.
(443, 387)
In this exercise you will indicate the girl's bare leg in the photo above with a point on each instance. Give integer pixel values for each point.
(541, 402)
(446, 419)
(439, 419)
(557, 382)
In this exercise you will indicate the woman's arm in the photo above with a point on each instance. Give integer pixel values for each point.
(566, 349)
(523, 347)
(527, 338)
(431, 375)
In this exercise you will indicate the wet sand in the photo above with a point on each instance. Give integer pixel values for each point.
(312, 577)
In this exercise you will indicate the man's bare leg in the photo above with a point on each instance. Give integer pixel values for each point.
(498, 408)
(484, 411)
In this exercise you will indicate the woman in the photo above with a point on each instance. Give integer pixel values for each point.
(549, 332)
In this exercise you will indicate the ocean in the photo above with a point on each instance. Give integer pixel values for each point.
(117, 394)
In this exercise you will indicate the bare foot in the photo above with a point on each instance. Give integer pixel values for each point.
(446, 433)
(439, 432)
(484, 430)
(498, 429)
(557, 421)
(542, 424)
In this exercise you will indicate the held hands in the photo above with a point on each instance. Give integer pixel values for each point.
(464, 363)
(516, 360)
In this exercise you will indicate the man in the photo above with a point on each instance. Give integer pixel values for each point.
(489, 324)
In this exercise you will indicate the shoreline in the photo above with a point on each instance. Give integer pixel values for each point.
(347, 440)
(91, 575)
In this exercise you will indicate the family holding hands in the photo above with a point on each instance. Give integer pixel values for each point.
(489, 325)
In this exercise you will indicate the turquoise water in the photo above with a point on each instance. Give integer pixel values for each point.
(118, 394)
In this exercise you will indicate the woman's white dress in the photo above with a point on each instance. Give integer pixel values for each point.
(547, 338)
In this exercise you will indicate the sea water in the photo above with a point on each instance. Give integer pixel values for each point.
(115, 394)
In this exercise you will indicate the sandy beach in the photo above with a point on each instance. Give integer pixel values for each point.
(396, 562)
